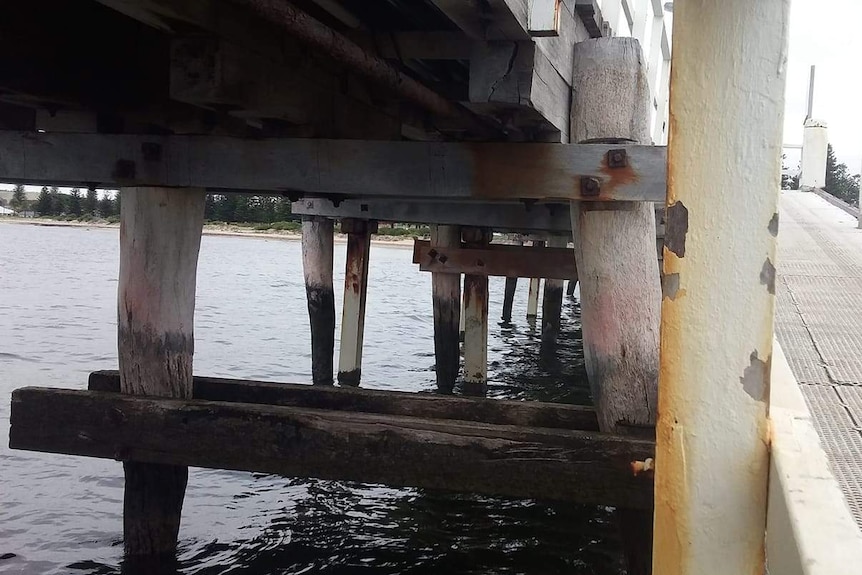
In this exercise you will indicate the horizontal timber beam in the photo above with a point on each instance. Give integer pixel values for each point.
(500, 460)
(501, 412)
(499, 216)
(497, 260)
(489, 171)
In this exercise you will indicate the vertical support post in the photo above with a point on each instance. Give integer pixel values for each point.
(317, 255)
(533, 293)
(570, 287)
(617, 265)
(461, 323)
(446, 299)
(355, 289)
(475, 320)
(509, 298)
(160, 236)
(552, 305)
(719, 294)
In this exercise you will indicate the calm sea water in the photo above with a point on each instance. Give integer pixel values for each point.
(62, 514)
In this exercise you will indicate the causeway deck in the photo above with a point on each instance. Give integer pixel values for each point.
(818, 322)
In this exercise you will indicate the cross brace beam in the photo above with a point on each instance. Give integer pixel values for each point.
(489, 171)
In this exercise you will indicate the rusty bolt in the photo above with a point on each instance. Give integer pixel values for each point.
(590, 186)
(442, 259)
(617, 159)
(432, 253)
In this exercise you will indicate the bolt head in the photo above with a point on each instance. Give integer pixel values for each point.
(590, 186)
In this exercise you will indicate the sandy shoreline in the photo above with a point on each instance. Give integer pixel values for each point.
(217, 230)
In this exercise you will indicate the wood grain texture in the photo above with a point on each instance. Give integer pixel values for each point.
(160, 234)
(353, 304)
(496, 260)
(548, 464)
(361, 168)
(446, 301)
(431, 406)
(317, 255)
(617, 268)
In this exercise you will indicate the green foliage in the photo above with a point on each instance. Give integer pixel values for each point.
(246, 208)
(58, 201)
(291, 226)
(74, 205)
(106, 207)
(839, 181)
(19, 199)
(417, 231)
(44, 204)
(91, 202)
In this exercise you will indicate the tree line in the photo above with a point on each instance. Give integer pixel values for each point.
(230, 208)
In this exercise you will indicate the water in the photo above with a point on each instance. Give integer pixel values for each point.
(62, 514)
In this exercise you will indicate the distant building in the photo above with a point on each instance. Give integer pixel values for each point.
(6, 211)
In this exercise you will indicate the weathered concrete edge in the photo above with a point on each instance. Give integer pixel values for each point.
(809, 528)
(837, 202)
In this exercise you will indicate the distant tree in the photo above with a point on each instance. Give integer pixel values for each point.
(19, 198)
(106, 206)
(786, 179)
(75, 207)
(243, 211)
(282, 209)
(58, 201)
(226, 208)
(210, 207)
(118, 201)
(839, 181)
(91, 202)
(44, 203)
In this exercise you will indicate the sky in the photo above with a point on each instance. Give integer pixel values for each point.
(826, 33)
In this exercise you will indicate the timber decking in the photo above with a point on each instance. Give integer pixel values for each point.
(818, 322)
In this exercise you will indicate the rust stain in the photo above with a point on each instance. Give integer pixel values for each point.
(671, 480)
(616, 177)
(670, 287)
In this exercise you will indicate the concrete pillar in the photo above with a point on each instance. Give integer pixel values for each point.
(160, 237)
(713, 433)
(815, 143)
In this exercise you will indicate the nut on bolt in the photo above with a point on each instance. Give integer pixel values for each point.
(590, 186)
(617, 158)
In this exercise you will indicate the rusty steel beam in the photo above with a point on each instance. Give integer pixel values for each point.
(323, 38)
(713, 432)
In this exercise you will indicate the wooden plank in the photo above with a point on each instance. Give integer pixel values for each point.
(446, 304)
(549, 217)
(491, 171)
(431, 406)
(548, 464)
(423, 45)
(511, 75)
(499, 260)
(354, 299)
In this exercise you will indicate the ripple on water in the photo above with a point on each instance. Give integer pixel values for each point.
(62, 514)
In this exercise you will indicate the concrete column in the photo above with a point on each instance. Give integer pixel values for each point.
(815, 143)
(713, 434)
